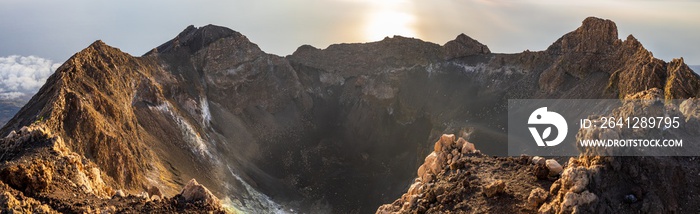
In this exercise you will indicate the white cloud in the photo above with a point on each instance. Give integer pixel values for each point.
(12, 95)
(23, 75)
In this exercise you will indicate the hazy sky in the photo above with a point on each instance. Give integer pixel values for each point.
(57, 29)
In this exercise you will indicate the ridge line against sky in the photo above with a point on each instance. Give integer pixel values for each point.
(56, 30)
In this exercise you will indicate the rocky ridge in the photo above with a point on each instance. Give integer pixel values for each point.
(210, 105)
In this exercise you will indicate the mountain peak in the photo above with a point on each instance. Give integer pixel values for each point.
(101, 47)
(98, 43)
(96, 52)
(463, 46)
(194, 39)
(595, 23)
(595, 35)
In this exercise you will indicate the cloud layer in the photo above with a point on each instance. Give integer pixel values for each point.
(23, 75)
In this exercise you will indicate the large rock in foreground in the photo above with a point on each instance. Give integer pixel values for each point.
(194, 192)
(40, 174)
(451, 180)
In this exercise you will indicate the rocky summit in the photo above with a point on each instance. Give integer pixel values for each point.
(343, 129)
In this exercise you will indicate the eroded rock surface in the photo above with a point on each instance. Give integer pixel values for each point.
(40, 174)
(470, 182)
(361, 118)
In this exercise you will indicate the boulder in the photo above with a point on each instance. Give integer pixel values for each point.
(541, 172)
(12, 134)
(460, 142)
(445, 141)
(119, 194)
(575, 179)
(467, 147)
(537, 197)
(421, 171)
(494, 188)
(195, 192)
(144, 195)
(554, 167)
(430, 163)
(573, 200)
(153, 191)
(537, 160)
(11, 203)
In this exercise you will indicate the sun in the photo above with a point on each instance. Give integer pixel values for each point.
(389, 18)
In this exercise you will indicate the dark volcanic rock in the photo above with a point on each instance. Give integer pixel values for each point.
(349, 60)
(193, 39)
(464, 46)
(594, 36)
(681, 81)
(628, 67)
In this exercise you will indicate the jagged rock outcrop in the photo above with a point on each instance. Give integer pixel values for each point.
(13, 201)
(640, 72)
(451, 180)
(681, 81)
(464, 46)
(627, 65)
(38, 162)
(40, 174)
(595, 36)
(211, 105)
(537, 197)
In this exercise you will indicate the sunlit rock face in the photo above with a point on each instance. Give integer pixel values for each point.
(341, 129)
